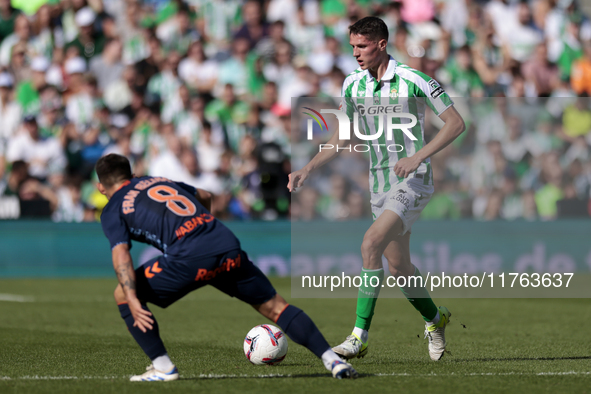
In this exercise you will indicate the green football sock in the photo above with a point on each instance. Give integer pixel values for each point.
(368, 296)
(419, 298)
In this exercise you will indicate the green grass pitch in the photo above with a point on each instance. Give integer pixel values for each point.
(67, 337)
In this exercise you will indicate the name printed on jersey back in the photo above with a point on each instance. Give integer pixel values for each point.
(129, 201)
(128, 205)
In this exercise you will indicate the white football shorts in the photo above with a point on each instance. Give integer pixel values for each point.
(407, 199)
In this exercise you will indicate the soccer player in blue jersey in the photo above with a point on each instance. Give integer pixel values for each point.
(198, 250)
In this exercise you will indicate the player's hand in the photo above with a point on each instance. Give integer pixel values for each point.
(296, 179)
(141, 317)
(406, 166)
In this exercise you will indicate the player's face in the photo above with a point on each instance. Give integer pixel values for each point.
(366, 52)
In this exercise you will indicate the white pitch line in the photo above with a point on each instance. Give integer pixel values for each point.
(37, 377)
(76, 299)
(16, 298)
(488, 374)
(271, 376)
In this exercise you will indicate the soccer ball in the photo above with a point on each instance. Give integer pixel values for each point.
(265, 345)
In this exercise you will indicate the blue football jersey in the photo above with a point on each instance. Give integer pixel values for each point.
(166, 215)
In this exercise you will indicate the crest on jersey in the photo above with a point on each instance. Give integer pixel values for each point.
(393, 93)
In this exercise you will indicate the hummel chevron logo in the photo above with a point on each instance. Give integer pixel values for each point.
(155, 270)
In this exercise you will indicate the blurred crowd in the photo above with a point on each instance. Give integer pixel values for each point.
(200, 91)
(520, 158)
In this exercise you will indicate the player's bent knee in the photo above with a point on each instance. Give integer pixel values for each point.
(371, 253)
(370, 245)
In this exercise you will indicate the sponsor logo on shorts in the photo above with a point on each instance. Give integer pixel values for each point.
(401, 198)
(229, 264)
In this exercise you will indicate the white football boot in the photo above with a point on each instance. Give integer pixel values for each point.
(351, 348)
(153, 375)
(343, 370)
(436, 334)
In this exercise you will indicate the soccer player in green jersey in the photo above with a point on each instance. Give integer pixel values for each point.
(401, 180)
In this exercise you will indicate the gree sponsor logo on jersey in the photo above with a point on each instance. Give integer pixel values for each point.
(229, 264)
(378, 109)
(388, 118)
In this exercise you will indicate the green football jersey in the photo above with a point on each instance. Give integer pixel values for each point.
(411, 91)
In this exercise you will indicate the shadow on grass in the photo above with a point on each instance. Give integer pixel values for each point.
(270, 376)
(469, 360)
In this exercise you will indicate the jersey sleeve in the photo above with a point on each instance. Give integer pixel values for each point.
(347, 104)
(115, 228)
(437, 99)
(188, 188)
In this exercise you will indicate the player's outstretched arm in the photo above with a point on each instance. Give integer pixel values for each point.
(297, 178)
(123, 265)
(453, 127)
(204, 197)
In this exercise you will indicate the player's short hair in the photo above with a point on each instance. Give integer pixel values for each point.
(112, 169)
(371, 27)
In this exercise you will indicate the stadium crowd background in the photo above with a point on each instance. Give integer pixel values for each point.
(200, 91)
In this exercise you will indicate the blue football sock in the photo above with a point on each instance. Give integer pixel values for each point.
(302, 330)
(149, 341)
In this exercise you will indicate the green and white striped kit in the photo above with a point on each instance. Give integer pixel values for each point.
(400, 85)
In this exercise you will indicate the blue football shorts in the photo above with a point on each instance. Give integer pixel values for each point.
(163, 281)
